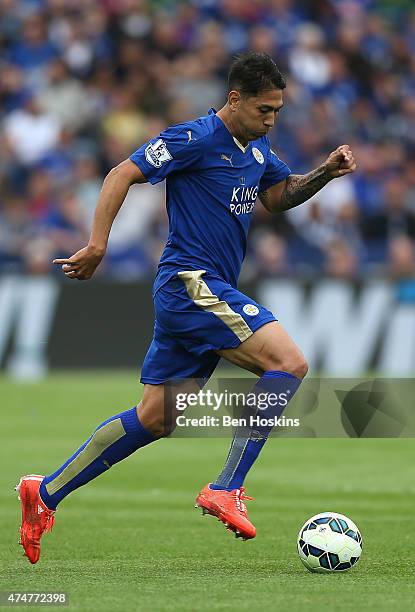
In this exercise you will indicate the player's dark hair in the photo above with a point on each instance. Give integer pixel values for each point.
(253, 72)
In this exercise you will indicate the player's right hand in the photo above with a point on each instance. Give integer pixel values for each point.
(82, 264)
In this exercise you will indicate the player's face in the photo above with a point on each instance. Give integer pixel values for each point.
(257, 115)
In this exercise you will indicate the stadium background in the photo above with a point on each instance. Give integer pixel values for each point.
(83, 84)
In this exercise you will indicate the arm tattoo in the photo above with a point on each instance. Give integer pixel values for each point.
(300, 187)
(266, 200)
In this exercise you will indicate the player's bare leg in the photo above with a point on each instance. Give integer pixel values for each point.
(271, 354)
(157, 410)
(269, 348)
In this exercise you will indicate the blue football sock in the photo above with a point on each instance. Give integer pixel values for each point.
(113, 440)
(248, 440)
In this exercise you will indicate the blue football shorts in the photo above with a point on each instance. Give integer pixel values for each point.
(196, 314)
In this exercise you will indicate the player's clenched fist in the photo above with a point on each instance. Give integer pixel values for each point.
(340, 162)
(82, 264)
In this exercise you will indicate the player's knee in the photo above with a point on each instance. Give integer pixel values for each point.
(300, 368)
(294, 364)
(155, 420)
(157, 425)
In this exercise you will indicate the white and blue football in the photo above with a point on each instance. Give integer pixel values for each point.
(329, 542)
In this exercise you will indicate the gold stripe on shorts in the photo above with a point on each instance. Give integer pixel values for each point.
(101, 439)
(202, 296)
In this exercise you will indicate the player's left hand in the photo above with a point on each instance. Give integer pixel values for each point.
(340, 162)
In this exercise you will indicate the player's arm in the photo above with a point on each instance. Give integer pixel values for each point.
(83, 264)
(297, 188)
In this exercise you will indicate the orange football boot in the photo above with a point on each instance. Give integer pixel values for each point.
(36, 517)
(228, 507)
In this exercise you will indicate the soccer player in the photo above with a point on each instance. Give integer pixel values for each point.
(215, 168)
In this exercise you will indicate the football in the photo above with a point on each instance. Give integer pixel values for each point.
(329, 542)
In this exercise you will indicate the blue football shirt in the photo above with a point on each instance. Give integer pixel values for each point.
(212, 184)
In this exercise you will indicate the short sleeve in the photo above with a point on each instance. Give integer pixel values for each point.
(177, 148)
(275, 171)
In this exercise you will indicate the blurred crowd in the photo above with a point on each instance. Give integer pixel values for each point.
(83, 83)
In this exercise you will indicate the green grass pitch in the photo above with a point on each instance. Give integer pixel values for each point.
(131, 540)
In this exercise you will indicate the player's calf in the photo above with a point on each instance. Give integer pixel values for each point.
(111, 442)
(256, 423)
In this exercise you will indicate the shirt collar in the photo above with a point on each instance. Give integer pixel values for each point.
(240, 146)
(213, 111)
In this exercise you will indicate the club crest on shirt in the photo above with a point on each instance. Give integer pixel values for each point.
(258, 155)
(157, 153)
(251, 310)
